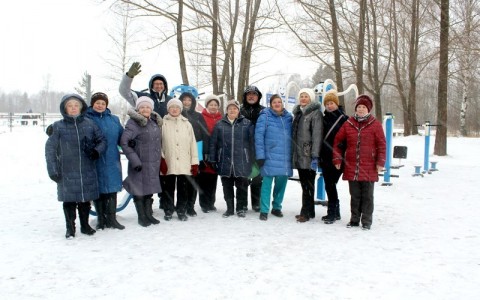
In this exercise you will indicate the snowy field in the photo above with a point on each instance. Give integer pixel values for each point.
(424, 242)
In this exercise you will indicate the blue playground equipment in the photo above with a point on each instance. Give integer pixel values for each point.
(176, 91)
(426, 157)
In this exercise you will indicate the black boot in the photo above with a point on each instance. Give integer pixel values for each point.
(111, 212)
(99, 205)
(148, 203)
(229, 211)
(70, 211)
(140, 207)
(337, 211)
(83, 213)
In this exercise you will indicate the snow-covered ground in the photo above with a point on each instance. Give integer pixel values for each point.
(424, 242)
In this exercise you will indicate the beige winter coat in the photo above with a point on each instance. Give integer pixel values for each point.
(179, 147)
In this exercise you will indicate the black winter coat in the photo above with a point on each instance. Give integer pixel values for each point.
(66, 155)
(199, 125)
(232, 147)
(251, 112)
(329, 119)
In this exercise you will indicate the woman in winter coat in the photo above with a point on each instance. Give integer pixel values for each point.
(273, 147)
(180, 159)
(70, 151)
(207, 178)
(141, 142)
(333, 119)
(201, 136)
(364, 157)
(109, 168)
(231, 149)
(307, 142)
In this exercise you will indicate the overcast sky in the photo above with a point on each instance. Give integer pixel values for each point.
(64, 38)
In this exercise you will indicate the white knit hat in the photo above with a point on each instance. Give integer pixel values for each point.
(310, 93)
(144, 100)
(176, 102)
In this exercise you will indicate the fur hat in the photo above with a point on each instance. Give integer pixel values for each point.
(98, 96)
(233, 102)
(310, 93)
(331, 95)
(144, 100)
(212, 97)
(174, 102)
(364, 100)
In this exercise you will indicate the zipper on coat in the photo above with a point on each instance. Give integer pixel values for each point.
(80, 158)
(232, 166)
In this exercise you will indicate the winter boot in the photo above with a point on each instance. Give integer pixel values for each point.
(83, 213)
(140, 207)
(70, 211)
(229, 211)
(100, 210)
(337, 211)
(111, 212)
(148, 202)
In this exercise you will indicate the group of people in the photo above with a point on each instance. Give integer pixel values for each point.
(178, 153)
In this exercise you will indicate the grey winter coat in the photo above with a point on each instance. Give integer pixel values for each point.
(141, 142)
(66, 155)
(307, 134)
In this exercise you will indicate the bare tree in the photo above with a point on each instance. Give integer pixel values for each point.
(441, 136)
(85, 86)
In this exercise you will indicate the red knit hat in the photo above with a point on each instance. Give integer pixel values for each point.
(364, 100)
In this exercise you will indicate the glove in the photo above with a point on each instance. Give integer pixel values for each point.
(132, 143)
(49, 130)
(314, 164)
(138, 168)
(134, 69)
(260, 162)
(93, 154)
(163, 167)
(55, 177)
(194, 170)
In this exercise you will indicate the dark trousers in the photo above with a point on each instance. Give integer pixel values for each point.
(161, 194)
(170, 183)
(191, 191)
(331, 176)
(241, 184)
(307, 180)
(255, 190)
(361, 202)
(207, 188)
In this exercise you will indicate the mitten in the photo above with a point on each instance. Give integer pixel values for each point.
(163, 167)
(194, 170)
(314, 164)
(55, 177)
(138, 168)
(260, 162)
(134, 69)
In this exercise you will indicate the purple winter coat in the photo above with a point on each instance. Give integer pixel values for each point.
(146, 137)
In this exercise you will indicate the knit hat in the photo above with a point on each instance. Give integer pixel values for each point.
(331, 95)
(233, 102)
(174, 102)
(144, 100)
(310, 93)
(364, 100)
(212, 97)
(98, 96)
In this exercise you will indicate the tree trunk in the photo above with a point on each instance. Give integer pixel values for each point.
(336, 50)
(181, 52)
(361, 46)
(441, 136)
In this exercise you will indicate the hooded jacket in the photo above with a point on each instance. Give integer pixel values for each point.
(159, 100)
(251, 111)
(66, 154)
(196, 119)
(144, 151)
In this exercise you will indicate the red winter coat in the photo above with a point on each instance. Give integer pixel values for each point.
(211, 120)
(365, 149)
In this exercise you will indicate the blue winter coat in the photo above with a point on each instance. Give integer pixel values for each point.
(65, 153)
(273, 142)
(109, 168)
(232, 147)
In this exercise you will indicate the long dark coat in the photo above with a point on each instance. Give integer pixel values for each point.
(65, 153)
(146, 136)
(109, 168)
(232, 147)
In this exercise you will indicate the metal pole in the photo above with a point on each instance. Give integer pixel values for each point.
(389, 138)
(427, 146)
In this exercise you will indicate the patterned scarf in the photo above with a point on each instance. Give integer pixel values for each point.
(361, 119)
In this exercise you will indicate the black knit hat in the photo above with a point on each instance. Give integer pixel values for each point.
(99, 96)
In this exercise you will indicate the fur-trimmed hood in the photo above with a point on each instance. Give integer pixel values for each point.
(314, 105)
(141, 120)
